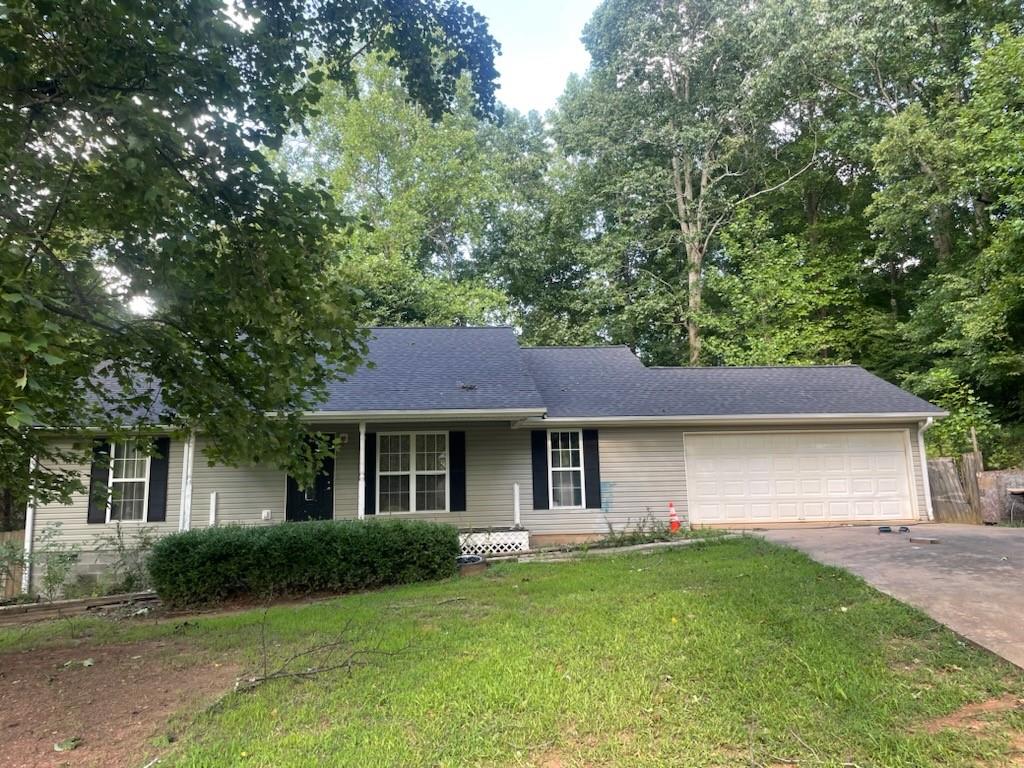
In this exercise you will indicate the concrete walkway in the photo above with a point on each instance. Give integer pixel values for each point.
(972, 580)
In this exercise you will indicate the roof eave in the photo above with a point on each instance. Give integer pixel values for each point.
(759, 419)
(441, 414)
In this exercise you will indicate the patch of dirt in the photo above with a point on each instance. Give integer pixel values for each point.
(114, 699)
(971, 717)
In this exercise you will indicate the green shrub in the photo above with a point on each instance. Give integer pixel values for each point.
(213, 564)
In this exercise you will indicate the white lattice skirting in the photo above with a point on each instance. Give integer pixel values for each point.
(495, 542)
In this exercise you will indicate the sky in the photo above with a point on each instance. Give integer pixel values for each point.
(540, 47)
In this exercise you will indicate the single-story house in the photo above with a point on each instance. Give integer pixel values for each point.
(546, 444)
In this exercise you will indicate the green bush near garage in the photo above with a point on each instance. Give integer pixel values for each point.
(212, 565)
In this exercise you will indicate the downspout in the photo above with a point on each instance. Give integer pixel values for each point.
(361, 484)
(30, 524)
(923, 427)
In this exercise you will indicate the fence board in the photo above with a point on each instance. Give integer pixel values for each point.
(11, 587)
(970, 466)
(949, 502)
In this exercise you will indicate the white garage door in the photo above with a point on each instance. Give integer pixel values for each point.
(766, 477)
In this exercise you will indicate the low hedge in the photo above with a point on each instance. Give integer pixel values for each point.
(214, 564)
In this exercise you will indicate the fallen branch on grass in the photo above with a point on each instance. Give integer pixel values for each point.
(341, 652)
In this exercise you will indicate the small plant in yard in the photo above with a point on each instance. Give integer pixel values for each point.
(55, 561)
(645, 530)
(128, 568)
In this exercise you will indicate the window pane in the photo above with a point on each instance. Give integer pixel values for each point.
(431, 455)
(394, 453)
(565, 450)
(430, 492)
(129, 462)
(567, 488)
(394, 493)
(128, 501)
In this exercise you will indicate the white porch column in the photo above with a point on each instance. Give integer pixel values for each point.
(188, 460)
(361, 484)
(515, 505)
(30, 524)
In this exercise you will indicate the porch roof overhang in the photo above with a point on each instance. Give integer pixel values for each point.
(448, 414)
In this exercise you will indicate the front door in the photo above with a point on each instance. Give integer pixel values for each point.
(316, 502)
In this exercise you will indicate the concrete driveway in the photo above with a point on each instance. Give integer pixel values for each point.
(972, 580)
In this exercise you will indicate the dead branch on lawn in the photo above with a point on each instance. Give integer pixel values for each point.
(339, 652)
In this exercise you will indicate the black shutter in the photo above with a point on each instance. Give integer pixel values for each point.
(539, 448)
(158, 466)
(370, 497)
(99, 476)
(591, 469)
(457, 482)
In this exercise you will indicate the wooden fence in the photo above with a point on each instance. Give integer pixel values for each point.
(963, 492)
(9, 587)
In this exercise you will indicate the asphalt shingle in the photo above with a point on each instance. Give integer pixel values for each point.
(601, 382)
(417, 369)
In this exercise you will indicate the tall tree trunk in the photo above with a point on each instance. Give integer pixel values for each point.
(942, 231)
(692, 235)
(694, 263)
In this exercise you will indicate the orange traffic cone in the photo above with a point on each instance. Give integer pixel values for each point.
(673, 518)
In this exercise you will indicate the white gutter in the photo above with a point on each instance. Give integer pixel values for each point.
(463, 414)
(188, 461)
(734, 419)
(923, 427)
(30, 525)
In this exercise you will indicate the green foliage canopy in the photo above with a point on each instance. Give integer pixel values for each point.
(144, 234)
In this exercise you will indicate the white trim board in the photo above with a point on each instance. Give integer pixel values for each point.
(765, 419)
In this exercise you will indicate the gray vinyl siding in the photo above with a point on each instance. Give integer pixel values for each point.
(75, 531)
(72, 517)
(642, 470)
(496, 458)
(242, 492)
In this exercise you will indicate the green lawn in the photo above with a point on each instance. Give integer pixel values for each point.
(733, 653)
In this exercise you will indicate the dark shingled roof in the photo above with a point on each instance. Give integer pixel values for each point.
(611, 381)
(419, 369)
(439, 369)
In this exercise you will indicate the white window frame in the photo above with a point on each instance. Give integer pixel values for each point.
(552, 470)
(413, 471)
(111, 481)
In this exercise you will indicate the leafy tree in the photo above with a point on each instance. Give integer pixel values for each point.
(952, 435)
(145, 235)
(771, 307)
(678, 110)
(970, 319)
(418, 190)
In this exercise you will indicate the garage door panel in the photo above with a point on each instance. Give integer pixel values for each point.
(813, 510)
(810, 486)
(835, 463)
(838, 486)
(793, 476)
(786, 488)
(839, 510)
